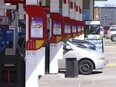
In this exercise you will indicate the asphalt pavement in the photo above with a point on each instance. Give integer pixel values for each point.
(99, 78)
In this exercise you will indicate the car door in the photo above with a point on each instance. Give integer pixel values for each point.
(68, 52)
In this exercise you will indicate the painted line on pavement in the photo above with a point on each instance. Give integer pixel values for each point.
(111, 65)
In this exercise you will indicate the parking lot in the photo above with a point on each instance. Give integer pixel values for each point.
(99, 78)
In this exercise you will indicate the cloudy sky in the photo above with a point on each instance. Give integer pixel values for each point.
(103, 3)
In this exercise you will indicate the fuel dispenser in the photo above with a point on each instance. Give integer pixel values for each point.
(35, 41)
(56, 36)
(67, 27)
(12, 64)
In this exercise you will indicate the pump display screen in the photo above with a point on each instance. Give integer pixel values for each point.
(57, 28)
(67, 28)
(74, 29)
(36, 27)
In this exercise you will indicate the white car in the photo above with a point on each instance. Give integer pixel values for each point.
(88, 59)
(111, 32)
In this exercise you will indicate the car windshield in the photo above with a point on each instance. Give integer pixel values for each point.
(79, 45)
(112, 29)
(76, 44)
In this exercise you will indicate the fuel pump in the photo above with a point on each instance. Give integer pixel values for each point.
(12, 64)
(36, 34)
(57, 32)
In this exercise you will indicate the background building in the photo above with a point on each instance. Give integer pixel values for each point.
(88, 9)
(96, 13)
(106, 15)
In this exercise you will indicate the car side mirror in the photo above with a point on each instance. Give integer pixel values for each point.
(67, 48)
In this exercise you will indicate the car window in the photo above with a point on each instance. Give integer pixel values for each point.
(112, 29)
(79, 45)
(74, 43)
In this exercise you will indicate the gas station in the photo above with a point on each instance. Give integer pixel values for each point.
(31, 34)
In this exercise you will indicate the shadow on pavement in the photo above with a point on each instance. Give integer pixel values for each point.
(94, 72)
(62, 71)
(97, 72)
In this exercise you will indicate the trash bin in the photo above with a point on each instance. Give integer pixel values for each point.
(71, 67)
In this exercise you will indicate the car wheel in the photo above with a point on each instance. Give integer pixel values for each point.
(85, 67)
(113, 37)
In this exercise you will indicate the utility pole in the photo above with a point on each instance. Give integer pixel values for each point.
(105, 19)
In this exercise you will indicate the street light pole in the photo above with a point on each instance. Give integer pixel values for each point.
(105, 19)
(112, 17)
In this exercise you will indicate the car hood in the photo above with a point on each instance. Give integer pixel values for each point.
(85, 52)
(89, 52)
